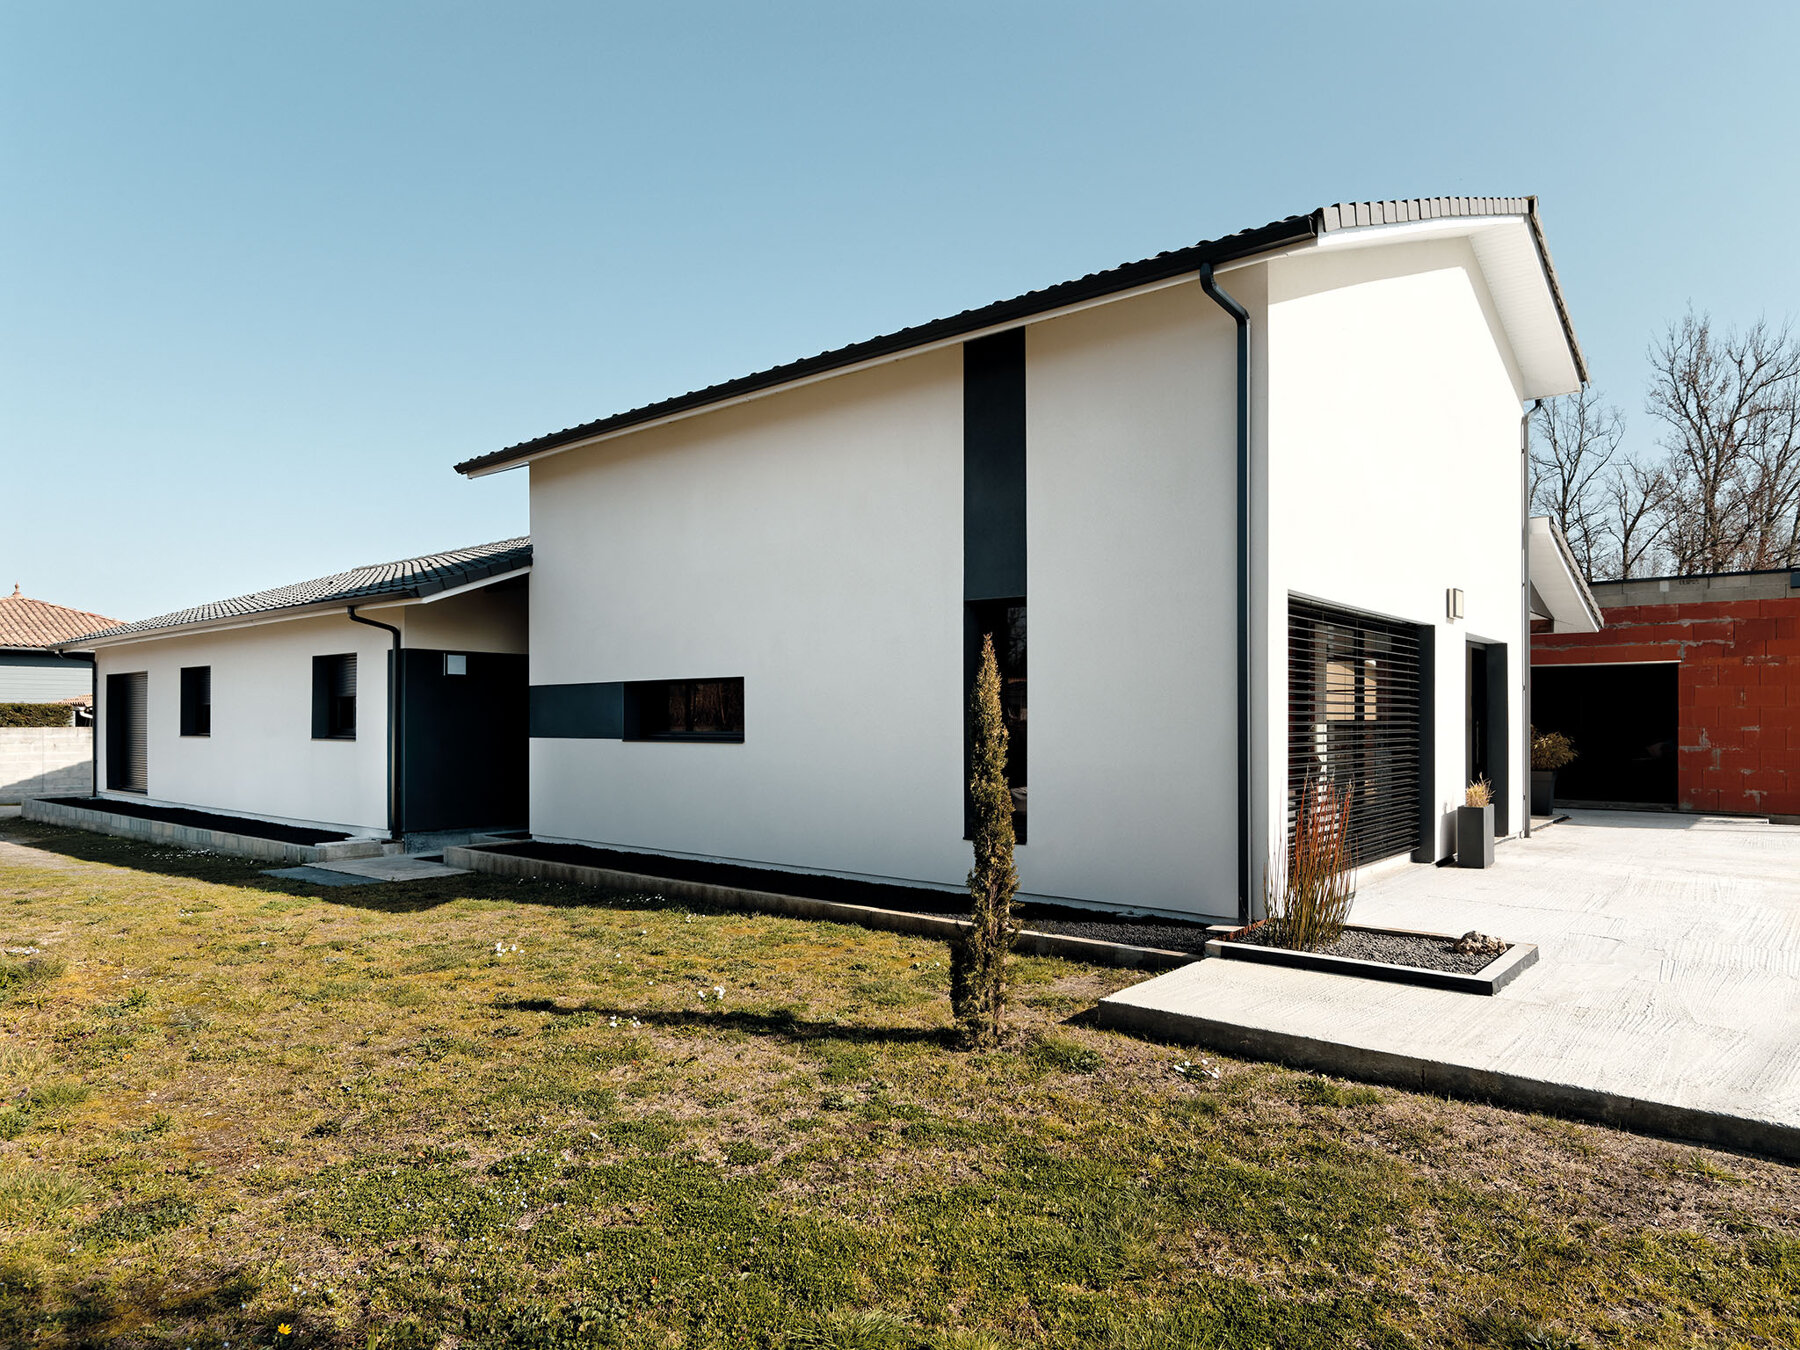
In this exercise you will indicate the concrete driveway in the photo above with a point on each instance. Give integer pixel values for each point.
(1666, 994)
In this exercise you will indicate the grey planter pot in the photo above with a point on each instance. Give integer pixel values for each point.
(1543, 792)
(1475, 836)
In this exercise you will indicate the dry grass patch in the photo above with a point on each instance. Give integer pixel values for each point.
(487, 1113)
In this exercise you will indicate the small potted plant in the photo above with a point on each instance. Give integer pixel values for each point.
(1550, 751)
(1475, 826)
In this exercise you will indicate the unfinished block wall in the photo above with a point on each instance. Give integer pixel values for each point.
(1739, 685)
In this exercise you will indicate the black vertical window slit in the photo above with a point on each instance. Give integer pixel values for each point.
(994, 542)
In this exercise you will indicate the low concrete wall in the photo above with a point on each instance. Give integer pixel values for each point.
(211, 841)
(942, 926)
(45, 761)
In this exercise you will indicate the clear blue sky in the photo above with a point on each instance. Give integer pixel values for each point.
(268, 271)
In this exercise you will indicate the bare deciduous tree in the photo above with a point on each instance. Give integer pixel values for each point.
(1635, 520)
(1574, 441)
(1731, 404)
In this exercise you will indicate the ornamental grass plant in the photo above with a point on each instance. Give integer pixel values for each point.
(1308, 889)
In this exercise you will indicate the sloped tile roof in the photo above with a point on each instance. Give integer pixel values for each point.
(407, 579)
(25, 622)
(1276, 234)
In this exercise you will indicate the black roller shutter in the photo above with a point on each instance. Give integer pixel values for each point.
(127, 699)
(1355, 709)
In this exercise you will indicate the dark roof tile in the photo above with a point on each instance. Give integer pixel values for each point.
(407, 579)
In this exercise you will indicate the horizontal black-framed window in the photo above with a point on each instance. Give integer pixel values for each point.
(196, 700)
(334, 697)
(685, 710)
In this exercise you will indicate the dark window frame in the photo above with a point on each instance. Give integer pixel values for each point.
(334, 697)
(196, 700)
(649, 706)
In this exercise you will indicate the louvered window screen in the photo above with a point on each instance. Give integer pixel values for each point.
(334, 697)
(127, 760)
(1354, 715)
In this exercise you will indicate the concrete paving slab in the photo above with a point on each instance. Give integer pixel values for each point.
(1666, 995)
(318, 876)
(400, 867)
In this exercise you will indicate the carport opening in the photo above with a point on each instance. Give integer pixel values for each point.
(1624, 721)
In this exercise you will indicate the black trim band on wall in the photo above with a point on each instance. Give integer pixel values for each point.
(994, 466)
(594, 712)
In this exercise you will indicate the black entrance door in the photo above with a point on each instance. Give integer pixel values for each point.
(1623, 720)
(1486, 737)
(127, 767)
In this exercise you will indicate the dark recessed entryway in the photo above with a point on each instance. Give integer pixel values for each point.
(1623, 720)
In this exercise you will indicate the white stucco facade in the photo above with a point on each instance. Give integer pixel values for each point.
(1390, 472)
(810, 540)
(260, 758)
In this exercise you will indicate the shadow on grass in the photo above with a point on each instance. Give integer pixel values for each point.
(777, 1024)
(386, 897)
(90, 1311)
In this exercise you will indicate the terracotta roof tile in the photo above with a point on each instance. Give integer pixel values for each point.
(25, 622)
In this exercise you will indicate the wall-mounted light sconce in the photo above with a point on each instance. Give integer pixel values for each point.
(1453, 603)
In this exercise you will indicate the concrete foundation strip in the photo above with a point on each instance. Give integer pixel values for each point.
(1418, 1074)
(941, 926)
(188, 836)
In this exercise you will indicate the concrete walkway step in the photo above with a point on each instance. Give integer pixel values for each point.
(368, 871)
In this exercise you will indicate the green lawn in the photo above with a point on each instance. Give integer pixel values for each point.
(240, 1111)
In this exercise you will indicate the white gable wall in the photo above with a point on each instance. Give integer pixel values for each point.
(1392, 474)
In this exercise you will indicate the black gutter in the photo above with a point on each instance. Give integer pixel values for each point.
(1525, 569)
(395, 711)
(1241, 317)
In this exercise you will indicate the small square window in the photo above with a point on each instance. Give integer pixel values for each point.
(456, 663)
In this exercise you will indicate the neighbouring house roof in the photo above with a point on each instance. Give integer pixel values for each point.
(1558, 590)
(36, 625)
(406, 579)
(1291, 231)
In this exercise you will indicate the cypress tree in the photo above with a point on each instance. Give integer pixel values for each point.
(978, 957)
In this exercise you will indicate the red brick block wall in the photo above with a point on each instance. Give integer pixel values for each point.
(1739, 693)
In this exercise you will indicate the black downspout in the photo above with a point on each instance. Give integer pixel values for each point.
(396, 794)
(1241, 317)
(1525, 568)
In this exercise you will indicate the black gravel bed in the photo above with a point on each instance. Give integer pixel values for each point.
(1170, 935)
(204, 820)
(1398, 949)
(1163, 934)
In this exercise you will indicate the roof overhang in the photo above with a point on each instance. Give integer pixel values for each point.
(1521, 281)
(323, 609)
(1559, 592)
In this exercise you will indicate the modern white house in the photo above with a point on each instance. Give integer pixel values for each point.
(1239, 515)
(385, 700)
(1257, 504)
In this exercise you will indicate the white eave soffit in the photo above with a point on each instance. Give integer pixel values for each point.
(1517, 282)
